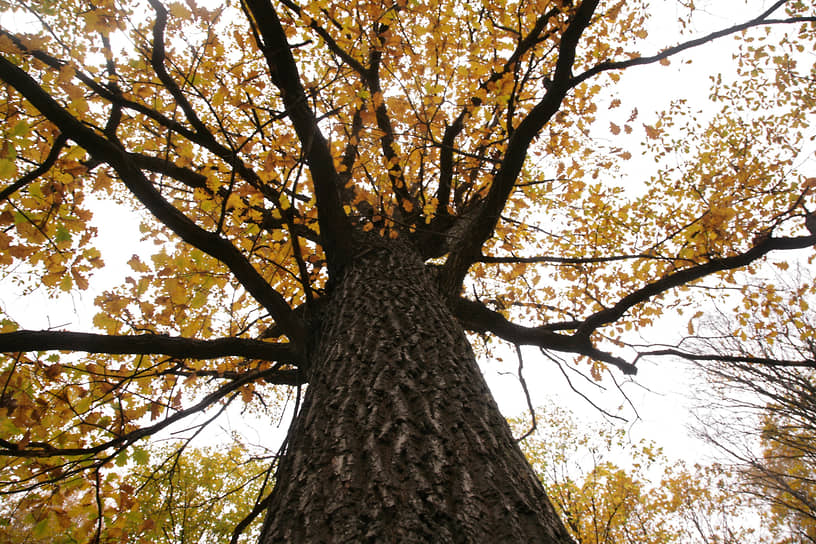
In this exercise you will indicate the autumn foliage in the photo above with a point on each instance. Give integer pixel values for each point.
(251, 142)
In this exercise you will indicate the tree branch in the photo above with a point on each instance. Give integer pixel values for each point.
(387, 140)
(27, 178)
(157, 59)
(441, 220)
(39, 449)
(477, 317)
(671, 51)
(205, 139)
(108, 152)
(331, 43)
(763, 361)
(458, 262)
(335, 227)
(688, 275)
(182, 348)
(562, 260)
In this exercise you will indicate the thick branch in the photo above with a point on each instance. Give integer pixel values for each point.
(335, 227)
(202, 136)
(443, 193)
(387, 140)
(157, 59)
(689, 275)
(331, 43)
(476, 317)
(452, 131)
(157, 344)
(108, 152)
(371, 77)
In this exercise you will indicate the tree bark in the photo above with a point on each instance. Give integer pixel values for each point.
(399, 438)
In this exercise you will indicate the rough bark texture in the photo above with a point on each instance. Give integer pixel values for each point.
(399, 438)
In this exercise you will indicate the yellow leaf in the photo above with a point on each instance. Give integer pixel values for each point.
(178, 294)
(66, 74)
(137, 265)
(8, 169)
(284, 202)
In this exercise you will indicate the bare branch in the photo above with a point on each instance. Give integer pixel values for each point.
(523, 383)
(477, 317)
(562, 260)
(575, 389)
(718, 357)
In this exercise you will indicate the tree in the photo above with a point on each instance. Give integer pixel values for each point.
(611, 489)
(337, 192)
(761, 377)
(193, 498)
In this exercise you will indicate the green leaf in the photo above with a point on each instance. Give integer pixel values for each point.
(121, 459)
(7, 168)
(21, 128)
(42, 529)
(141, 456)
(63, 234)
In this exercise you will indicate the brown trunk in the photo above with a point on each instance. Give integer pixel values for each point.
(399, 439)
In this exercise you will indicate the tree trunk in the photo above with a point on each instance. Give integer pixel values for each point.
(399, 439)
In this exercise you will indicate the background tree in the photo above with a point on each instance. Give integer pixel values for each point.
(336, 192)
(610, 489)
(762, 388)
(194, 498)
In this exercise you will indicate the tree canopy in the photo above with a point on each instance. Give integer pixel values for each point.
(254, 140)
(612, 489)
(762, 415)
